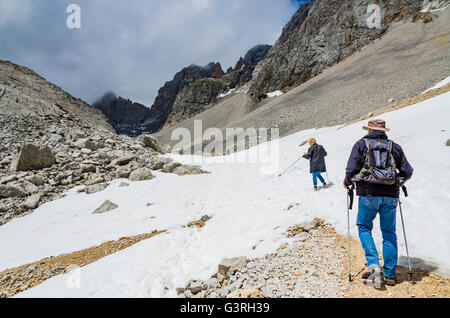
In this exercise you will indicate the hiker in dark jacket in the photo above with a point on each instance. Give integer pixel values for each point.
(316, 156)
(376, 198)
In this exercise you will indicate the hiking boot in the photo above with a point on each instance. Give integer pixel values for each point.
(316, 188)
(325, 185)
(390, 281)
(370, 271)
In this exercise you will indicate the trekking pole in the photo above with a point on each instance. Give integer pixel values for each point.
(349, 207)
(289, 167)
(404, 233)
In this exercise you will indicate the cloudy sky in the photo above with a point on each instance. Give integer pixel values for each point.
(133, 47)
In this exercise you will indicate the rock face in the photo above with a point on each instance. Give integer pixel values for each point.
(203, 93)
(196, 98)
(25, 93)
(243, 70)
(31, 157)
(134, 119)
(321, 34)
(168, 93)
(124, 115)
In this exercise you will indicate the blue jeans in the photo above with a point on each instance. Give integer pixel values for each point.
(387, 208)
(317, 175)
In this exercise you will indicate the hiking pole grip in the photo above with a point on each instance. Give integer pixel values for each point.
(405, 190)
(351, 195)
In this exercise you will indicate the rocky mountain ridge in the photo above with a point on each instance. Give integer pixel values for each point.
(204, 93)
(25, 93)
(191, 91)
(126, 116)
(323, 33)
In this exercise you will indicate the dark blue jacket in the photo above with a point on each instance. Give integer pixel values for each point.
(316, 156)
(357, 160)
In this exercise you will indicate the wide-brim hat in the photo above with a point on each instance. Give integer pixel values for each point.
(376, 124)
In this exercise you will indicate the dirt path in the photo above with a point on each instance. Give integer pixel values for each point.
(18, 279)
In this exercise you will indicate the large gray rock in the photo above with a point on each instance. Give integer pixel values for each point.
(8, 179)
(141, 174)
(188, 170)
(150, 142)
(87, 144)
(170, 166)
(32, 201)
(95, 188)
(230, 265)
(36, 180)
(31, 157)
(11, 191)
(125, 159)
(105, 207)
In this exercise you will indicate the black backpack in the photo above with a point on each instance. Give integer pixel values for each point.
(379, 166)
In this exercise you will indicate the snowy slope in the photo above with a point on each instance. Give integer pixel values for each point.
(249, 211)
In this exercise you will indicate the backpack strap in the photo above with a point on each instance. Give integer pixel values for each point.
(390, 146)
(367, 163)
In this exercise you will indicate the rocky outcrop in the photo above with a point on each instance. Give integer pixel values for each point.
(167, 94)
(31, 157)
(125, 116)
(25, 93)
(321, 34)
(243, 70)
(134, 119)
(196, 98)
(203, 93)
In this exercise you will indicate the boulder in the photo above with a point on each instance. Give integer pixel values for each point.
(150, 142)
(8, 179)
(448, 143)
(31, 157)
(230, 265)
(188, 170)
(95, 188)
(94, 179)
(105, 207)
(125, 159)
(29, 187)
(141, 174)
(36, 180)
(87, 168)
(158, 163)
(86, 143)
(124, 172)
(170, 166)
(3, 207)
(195, 287)
(32, 201)
(11, 191)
